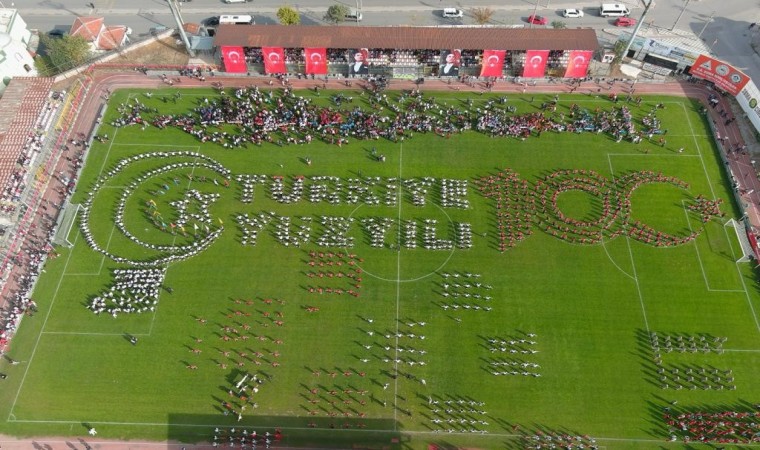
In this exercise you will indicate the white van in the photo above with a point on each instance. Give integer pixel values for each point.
(235, 1)
(613, 10)
(353, 14)
(240, 19)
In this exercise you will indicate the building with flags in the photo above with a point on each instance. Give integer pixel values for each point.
(405, 52)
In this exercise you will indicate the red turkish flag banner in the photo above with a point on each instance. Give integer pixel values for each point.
(316, 60)
(234, 59)
(577, 66)
(535, 63)
(274, 59)
(493, 63)
(723, 75)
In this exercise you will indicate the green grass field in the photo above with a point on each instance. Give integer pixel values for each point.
(591, 306)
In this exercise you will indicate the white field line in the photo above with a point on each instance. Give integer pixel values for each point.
(638, 287)
(398, 291)
(42, 329)
(699, 151)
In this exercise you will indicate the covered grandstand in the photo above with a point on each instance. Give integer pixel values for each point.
(405, 52)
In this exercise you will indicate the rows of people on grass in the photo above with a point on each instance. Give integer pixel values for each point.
(683, 343)
(558, 440)
(205, 234)
(722, 427)
(537, 205)
(455, 414)
(261, 116)
(132, 291)
(367, 190)
(403, 349)
(518, 205)
(694, 378)
(335, 273)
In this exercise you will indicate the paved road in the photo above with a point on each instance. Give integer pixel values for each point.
(726, 33)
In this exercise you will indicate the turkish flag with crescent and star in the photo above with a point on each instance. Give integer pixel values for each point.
(577, 65)
(274, 59)
(493, 63)
(234, 59)
(316, 60)
(535, 63)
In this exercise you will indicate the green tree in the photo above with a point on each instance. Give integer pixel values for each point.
(482, 15)
(336, 13)
(559, 24)
(65, 53)
(619, 48)
(287, 15)
(43, 66)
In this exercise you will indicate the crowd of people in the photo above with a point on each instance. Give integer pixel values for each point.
(464, 292)
(32, 256)
(240, 437)
(513, 204)
(519, 348)
(136, 290)
(30, 149)
(133, 291)
(716, 427)
(170, 252)
(520, 205)
(686, 343)
(336, 273)
(251, 224)
(452, 414)
(287, 118)
(688, 376)
(554, 440)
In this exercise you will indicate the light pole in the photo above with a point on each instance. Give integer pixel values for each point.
(675, 24)
(535, 9)
(707, 22)
(637, 28)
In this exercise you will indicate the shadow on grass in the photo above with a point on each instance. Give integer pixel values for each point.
(284, 431)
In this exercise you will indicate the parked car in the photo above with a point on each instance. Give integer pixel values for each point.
(211, 21)
(625, 22)
(158, 30)
(572, 13)
(58, 33)
(452, 13)
(537, 20)
(354, 15)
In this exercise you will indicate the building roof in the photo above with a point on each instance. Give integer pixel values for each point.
(406, 38)
(6, 19)
(683, 39)
(112, 37)
(191, 28)
(87, 27)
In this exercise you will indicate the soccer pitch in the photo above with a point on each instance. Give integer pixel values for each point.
(447, 288)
